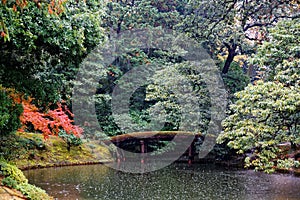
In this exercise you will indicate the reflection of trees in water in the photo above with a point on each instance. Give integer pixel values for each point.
(66, 182)
(178, 181)
(276, 186)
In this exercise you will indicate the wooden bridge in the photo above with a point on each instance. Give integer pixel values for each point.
(145, 143)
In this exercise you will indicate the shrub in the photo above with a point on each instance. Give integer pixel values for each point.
(12, 147)
(47, 123)
(14, 178)
(8, 170)
(32, 192)
(287, 163)
(9, 182)
(9, 113)
(70, 139)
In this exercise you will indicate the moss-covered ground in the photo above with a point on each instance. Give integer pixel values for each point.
(53, 152)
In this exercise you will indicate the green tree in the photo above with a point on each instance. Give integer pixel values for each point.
(161, 93)
(123, 16)
(278, 57)
(44, 49)
(234, 27)
(267, 114)
(136, 14)
(235, 79)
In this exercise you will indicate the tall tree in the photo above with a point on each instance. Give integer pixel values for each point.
(125, 16)
(46, 45)
(268, 113)
(136, 14)
(234, 27)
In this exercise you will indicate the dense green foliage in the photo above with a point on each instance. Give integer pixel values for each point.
(43, 48)
(123, 16)
(162, 93)
(70, 139)
(267, 114)
(278, 57)
(9, 113)
(235, 80)
(234, 27)
(136, 14)
(14, 178)
(8, 170)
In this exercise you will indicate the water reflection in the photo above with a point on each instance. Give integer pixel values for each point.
(177, 181)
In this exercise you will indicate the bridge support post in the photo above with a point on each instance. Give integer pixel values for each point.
(118, 153)
(142, 151)
(190, 155)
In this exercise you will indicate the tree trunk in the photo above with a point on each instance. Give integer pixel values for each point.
(293, 146)
(68, 147)
(230, 57)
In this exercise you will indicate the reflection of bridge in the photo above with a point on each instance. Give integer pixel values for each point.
(146, 142)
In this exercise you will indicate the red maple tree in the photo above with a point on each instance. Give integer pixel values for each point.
(47, 123)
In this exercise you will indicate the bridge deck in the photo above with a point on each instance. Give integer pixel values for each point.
(152, 135)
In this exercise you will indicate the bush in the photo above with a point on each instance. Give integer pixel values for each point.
(9, 113)
(14, 147)
(8, 170)
(32, 192)
(14, 178)
(11, 147)
(70, 139)
(9, 182)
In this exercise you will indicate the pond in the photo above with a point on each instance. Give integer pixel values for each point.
(177, 181)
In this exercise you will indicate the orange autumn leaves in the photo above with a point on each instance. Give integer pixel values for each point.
(54, 6)
(19, 3)
(48, 123)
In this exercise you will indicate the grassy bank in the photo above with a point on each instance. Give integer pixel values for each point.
(54, 152)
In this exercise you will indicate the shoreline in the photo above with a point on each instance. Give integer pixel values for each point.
(294, 172)
(10, 193)
(63, 165)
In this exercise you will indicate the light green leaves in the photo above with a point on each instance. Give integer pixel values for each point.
(267, 114)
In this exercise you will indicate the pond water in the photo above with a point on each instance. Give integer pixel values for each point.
(177, 181)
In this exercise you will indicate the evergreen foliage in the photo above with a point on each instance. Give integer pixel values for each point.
(9, 113)
(267, 114)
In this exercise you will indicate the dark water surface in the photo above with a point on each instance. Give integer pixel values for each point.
(177, 181)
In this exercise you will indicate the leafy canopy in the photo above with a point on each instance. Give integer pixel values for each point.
(44, 49)
(267, 114)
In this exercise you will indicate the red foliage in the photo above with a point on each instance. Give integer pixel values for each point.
(49, 123)
(61, 120)
(31, 115)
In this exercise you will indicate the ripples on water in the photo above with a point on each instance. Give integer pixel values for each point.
(177, 181)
